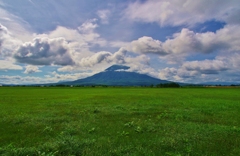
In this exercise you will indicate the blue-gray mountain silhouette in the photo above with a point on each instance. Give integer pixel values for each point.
(117, 75)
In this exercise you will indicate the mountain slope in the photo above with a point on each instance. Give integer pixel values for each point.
(116, 76)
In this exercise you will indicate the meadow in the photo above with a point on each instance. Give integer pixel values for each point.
(119, 121)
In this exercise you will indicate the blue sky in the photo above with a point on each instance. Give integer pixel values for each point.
(44, 41)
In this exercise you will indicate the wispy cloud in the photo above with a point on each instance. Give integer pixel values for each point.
(183, 12)
(104, 16)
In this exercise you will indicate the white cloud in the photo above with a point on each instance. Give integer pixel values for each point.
(52, 78)
(101, 60)
(8, 65)
(206, 66)
(118, 44)
(142, 69)
(79, 40)
(44, 51)
(137, 60)
(98, 59)
(56, 77)
(89, 26)
(167, 73)
(31, 69)
(95, 59)
(104, 56)
(84, 34)
(3, 34)
(104, 15)
(87, 31)
(20, 29)
(5, 79)
(187, 41)
(44, 16)
(77, 46)
(206, 70)
(147, 45)
(7, 42)
(183, 12)
(118, 57)
(67, 47)
(67, 33)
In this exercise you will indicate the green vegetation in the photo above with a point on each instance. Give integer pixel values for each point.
(119, 121)
(168, 85)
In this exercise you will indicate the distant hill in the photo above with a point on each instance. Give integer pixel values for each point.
(116, 76)
(220, 83)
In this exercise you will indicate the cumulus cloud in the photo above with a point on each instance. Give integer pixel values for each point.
(67, 33)
(167, 73)
(142, 68)
(95, 59)
(137, 61)
(193, 71)
(99, 57)
(31, 69)
(77, 46)
(188, 41)
(87, 31)
(8, 65)
(84, 34)
(119, 57)
(181, 75)
(147, 45)
(183, 12)
(206, 66)
(79, 40)
(7, 42)
(99, 60)
(232, 60)
(44, 51)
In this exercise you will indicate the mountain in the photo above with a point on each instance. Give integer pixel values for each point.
(117, 68)
(220, 83)
(117, 76)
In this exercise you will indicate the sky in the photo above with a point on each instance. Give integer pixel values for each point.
(45, 41)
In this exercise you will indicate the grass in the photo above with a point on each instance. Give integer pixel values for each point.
(119, 121)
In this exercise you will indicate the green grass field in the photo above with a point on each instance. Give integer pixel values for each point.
(119, 121)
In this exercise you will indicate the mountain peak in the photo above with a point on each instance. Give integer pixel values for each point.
(116, 76)
(117, 67)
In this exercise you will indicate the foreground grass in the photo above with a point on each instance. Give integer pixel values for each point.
(119, 121)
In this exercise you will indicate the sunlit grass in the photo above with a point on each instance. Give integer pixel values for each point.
(119, 121)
